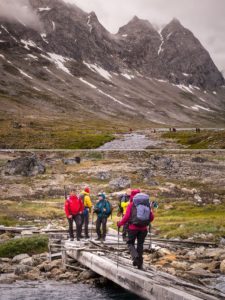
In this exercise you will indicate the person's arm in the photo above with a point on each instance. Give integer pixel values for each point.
(88, 202)
(152, 215)
(126, 216)
(81, 210)
(66, 209)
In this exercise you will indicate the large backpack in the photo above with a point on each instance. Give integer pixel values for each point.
(110, 208)
(141, 210)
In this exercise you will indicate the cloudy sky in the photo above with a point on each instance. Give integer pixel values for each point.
(206, 18)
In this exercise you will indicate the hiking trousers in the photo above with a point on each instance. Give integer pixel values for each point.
(101, 222)
(136, 253)
(78, 221)
(125, 230)
(86, 223)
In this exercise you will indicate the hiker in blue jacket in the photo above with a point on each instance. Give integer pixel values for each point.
(103, 211)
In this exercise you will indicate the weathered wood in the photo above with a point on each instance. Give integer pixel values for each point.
(151, 285)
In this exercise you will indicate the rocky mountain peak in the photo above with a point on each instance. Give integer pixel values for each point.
(136, 26)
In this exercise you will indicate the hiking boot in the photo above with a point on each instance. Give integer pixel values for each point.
(71, 239)
(78, 239)
(81, 236)
(135, 262)
(103, 239)
(98, 239)
(140, 267)
(87, 237)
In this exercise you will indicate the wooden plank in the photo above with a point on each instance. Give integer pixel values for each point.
(150, 286)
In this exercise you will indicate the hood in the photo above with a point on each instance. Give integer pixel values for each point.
(133, 193)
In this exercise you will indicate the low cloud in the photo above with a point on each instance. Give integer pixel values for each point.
(21, 11)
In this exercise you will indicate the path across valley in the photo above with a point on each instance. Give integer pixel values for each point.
(132, 141)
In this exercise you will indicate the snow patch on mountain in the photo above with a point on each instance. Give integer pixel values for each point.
(59, 61)
(198, 107)
(43, 36)
(184, 88)
(28, 44)
(3, 27)
(129, 77)
(99, 70)
(32, 56)
(53, 26)
(162, 42)
(89, 23)
(40, 9)
(115, 100)
(88, 83)
(24, 74)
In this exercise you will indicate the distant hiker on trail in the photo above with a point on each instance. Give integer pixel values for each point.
(85, 198)
(138, 216)
(122, 208)
(74, 209)
(103, 211)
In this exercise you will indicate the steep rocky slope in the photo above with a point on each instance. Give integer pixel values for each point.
(71, 66)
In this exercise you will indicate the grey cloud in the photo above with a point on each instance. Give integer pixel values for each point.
(205, 18)
(21, 11)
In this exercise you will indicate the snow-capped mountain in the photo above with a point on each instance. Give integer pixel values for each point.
(71, 64)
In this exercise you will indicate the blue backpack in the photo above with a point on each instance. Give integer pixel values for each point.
(141, 210)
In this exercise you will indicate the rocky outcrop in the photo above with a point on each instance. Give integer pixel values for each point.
(24, 166)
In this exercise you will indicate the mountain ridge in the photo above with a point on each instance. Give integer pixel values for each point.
(75, 67)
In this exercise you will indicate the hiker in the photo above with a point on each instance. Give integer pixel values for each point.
(86, 200)
(138, 216)
(103, 211)
(74, 209)
(122, 208)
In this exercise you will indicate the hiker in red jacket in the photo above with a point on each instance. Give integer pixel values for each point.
(138, 215)
(74, 209)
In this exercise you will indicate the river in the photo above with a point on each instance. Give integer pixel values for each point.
(51, 290)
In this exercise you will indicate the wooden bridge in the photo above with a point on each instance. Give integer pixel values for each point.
(112, 262)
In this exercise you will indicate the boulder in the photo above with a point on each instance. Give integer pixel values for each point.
(27, 261)
(18, 258)
(48, 266)
(104, 175)
(184, 266)
(86, 275)
(120, 183)
(163, 252)
(22, 269)
(55, 273)
(6, 268)
(8, 279)
(34, 274)
(66, 276)
(217, 202)
(214, 253)
(71, 161)
(199, 160)
(24, 166)
(222, 267)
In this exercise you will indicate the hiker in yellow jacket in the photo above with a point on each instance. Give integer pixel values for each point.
(86, 199)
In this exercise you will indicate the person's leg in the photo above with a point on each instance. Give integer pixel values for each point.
(140, 246)
(125, 230)
(104, 222)
(86, 223)
(132, 234)
(70, 221)
(78, 220)
(98, 227)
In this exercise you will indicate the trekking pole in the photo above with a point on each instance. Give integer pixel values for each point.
(118, 246)
(150, 232)
(65, 193)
